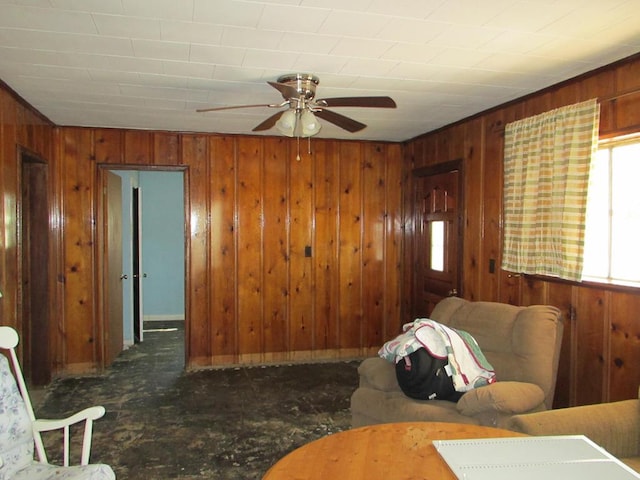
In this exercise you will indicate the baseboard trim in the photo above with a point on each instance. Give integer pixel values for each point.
(162, 318)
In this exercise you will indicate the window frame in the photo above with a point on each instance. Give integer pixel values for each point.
(610, 282)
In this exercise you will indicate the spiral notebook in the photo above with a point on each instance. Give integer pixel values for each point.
(532, 458)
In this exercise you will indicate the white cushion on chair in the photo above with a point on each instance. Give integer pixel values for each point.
(16, 436)
(44, 471)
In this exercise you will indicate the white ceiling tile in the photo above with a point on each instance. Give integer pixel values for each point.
(118, 63)
(68, 87)
(462, 12)
(268, 58)
(63, 42)
(307, 43)
(353, 24)
(91, 6)
(112, 76)
(290, 18)
(464, 36)
(458, 57)
(317, 64)
(368, 67)
(131, 27)
(515, 42)
(51, 71)
(361, 48)
(216, 55)
(155, 80)
(528, 16)
(410, 52)
(239, 74)
(147, 91)
(228, 12)
(251, 38)
(165, 9)
(188, 69)
(160, 50)
(15, 56)
(404, 8)
(414, 71)
(411, 30)
(181, 31)
(50, 19)
(351, 5)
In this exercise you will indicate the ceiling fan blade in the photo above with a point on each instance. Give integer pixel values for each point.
(287, 91)
(341, 121)
(268, 123)
(374, 102)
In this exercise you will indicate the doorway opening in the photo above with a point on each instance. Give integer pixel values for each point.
(153, 253)
(34, 269)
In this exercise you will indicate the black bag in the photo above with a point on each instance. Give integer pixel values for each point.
(423, 377)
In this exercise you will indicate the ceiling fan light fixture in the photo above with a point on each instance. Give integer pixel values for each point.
(310, 124)
(286, 125)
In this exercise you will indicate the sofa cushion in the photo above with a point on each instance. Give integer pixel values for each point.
(503, 397)
(375, 406)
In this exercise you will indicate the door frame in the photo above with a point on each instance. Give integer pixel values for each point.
(437, 169)
(35, 295)
(100, 258)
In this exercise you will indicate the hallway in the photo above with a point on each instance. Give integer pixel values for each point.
(164, 423)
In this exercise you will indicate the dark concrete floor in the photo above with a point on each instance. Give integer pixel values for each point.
(165, 423)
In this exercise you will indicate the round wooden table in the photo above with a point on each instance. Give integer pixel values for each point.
(388, 451)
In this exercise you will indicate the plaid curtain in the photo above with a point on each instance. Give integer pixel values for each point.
(547, 159)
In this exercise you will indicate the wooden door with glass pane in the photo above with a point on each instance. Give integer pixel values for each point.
(437, 245)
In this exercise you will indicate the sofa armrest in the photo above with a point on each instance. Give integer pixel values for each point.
(501, 397)
(614, 426)
(378, 374)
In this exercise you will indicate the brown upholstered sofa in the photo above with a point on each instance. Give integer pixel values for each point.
(521, 343)
(614, 426)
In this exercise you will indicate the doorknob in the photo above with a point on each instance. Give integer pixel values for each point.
(453, 292)
(123, 277)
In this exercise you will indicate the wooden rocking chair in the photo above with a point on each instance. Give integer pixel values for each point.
(20, 430)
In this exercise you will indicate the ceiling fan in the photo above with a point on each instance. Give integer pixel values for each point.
(299, 117)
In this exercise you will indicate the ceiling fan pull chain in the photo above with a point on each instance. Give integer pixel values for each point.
(298, 156)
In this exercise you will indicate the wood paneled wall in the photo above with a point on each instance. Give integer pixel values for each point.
(21, 128)
(601, 351)
(252, 211)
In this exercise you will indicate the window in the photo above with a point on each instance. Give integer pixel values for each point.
(437, 246)
(612, 230)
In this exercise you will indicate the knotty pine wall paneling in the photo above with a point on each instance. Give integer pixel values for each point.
(373, 238)
(250, 240)
(223, 308)
(623, 345)
(22, 129)
(472, 212)
(82, 324)
(284, 236)
(201, 300)
(350, 247)
(599, 358)
(325, 246)
(253, 296)
(299, 292)
(9, 183)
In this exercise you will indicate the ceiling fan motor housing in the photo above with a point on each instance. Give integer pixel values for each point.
(304, 83)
